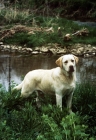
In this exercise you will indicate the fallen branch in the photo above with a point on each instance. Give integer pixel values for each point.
(83, 32)
(21, 28)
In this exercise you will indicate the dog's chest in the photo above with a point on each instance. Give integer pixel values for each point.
(66, 88)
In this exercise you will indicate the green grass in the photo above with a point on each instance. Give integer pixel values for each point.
(20, 119)
(12, 16)
(43, 38)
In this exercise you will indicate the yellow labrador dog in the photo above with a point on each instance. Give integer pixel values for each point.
(59, 81)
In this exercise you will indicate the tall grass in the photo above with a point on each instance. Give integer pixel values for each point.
(70, 8)
(20, 119)
(13, 15)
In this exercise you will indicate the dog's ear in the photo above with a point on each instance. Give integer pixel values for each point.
(59, 62)
(76, 59)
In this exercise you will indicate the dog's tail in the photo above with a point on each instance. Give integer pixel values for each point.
(18, 87)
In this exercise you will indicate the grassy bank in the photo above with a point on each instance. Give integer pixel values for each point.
(46, 14)
(56, 29)
(21, 119)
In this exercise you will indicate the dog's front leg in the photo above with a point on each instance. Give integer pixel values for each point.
(59, 100)
(69, 102)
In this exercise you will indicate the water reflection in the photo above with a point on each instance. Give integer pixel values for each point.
(13, 67)
(86, 70)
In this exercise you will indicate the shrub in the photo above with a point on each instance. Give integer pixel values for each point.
(85, 102)
(68, 128)
(21, 119)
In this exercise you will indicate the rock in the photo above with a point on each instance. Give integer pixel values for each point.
(35, 52)
(78, 45)
(29, 49)
(53, 51)
(75, 52)
(1, 47)
(78, 52)
(89, 55)
(23, 50)
(61, 51)
(1, 43)
(89, 50)
(86, 55)
(7, 47)
(77, 49)
(20, 48)
(44, 49)
(93, 53)
(81, 49)
(89, 45)
(94, 48)
(37, 49)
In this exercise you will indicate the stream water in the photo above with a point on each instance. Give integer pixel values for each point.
(13, 67)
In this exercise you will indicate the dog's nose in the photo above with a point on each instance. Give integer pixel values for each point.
(71, 68)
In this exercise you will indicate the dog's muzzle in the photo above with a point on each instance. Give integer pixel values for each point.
(71, 69)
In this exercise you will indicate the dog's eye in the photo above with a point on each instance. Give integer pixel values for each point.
(72, 60)
(66, 62)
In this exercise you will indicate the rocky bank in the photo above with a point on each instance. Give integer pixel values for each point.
(55, 49)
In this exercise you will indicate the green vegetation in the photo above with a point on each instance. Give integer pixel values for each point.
(20, 119)
(69, 8)
(40, 38)
(45, 14)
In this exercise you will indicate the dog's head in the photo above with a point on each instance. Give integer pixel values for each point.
(67, 62)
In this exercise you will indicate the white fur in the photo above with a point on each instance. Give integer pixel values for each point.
(59, 81)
